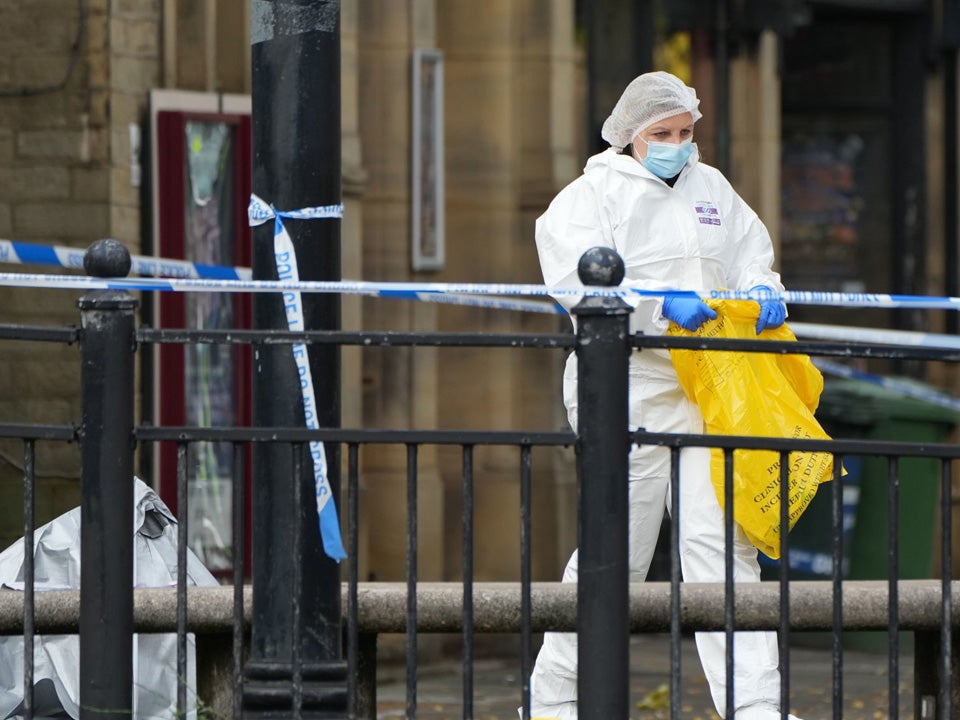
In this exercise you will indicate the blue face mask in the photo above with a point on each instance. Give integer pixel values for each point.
(666, 160)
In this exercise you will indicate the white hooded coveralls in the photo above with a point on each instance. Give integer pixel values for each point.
(697, 235)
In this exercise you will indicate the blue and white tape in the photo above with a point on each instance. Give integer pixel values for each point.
(407, 289)
(185, 276)
(287, 271)
(68, 257)
(845, 333)
(13, 252)
(904, 387)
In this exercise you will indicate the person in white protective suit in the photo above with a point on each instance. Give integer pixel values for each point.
(678, 225)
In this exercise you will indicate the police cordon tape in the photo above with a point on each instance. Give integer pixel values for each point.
(901, 386)
(408, 289)
(14, 252)
(30, 253)
(285, 257)
(166, 275)
(24, 253)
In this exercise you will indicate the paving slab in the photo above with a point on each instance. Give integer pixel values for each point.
(497, 688)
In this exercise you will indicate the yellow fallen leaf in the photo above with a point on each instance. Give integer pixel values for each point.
(657, 699)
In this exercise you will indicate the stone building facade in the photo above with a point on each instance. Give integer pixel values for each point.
(75, 84)
(68, 176)
(73, 79)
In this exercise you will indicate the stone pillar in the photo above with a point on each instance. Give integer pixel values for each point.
(755, 129)
(399, 384)
(509, 105)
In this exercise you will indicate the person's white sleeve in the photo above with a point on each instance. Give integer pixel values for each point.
(647, 314)
(572, 224)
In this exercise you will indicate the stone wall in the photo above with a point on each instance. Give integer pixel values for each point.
(68, 176)
(509, 96)
(65, 179)
(514, 90)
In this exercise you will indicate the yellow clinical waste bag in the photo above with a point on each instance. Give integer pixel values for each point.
(760, 395)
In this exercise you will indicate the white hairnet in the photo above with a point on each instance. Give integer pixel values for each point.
(649, 98)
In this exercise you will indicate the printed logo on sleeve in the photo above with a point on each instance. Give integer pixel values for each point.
(707, 212)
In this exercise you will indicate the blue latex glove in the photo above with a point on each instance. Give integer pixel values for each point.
(772, 312)
(687, 312)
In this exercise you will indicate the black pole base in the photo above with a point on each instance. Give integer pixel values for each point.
(269, 692)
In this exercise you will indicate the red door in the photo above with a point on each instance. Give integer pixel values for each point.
(203, 184)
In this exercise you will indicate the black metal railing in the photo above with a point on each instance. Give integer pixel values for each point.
(108, 612)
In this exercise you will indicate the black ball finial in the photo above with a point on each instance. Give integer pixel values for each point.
(600, 266)
(107, 258)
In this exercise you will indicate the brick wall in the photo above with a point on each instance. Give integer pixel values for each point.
(65, 179)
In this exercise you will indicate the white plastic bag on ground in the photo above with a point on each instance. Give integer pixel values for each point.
(57, 657)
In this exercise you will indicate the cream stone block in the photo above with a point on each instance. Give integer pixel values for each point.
(138, 36)
(384, 121)
(98, 32)
(233, 69)
(53, 496)
(31, 410)
(388, 391)
(480, 231)
(125, 225)
(383, 503)
(6, 220)
(552, 549)
(48, 378)
(384, 21)
(496, 518)
(37, 69)
(49, 111)
(6, 145)
(755, 131)
(424, 375)
(65, 144)
(386, 223)
(27, 26)
(497, 528)
(100, 109)
(477, 29)
(135, 8)
(351, 317)
(423, 23)
(34, 183)
(133, 74)
(527, 261)
(127, 107)
(481, 145)
(52, 221)
(41, 305)
(98, 67)
(476, 388)
(122, 192)
(120, 145)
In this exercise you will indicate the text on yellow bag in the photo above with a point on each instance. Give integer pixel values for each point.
(759, 395)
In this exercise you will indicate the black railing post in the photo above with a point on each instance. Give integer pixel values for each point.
(296, 648)
(108, 344)
(603, 444)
